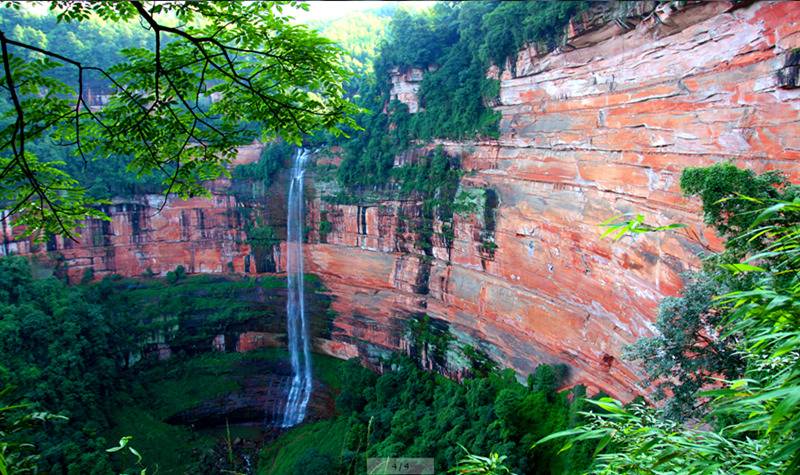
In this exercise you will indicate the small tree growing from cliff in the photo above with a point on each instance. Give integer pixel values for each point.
(753, 422)
(689, 352)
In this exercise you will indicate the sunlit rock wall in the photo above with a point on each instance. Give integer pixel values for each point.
(600, 127)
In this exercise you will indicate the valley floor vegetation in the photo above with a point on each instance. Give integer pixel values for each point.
(77, 379)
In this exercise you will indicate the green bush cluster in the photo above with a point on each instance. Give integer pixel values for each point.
(410, 412)
(689, 351)
(726, 353)
(176, 275)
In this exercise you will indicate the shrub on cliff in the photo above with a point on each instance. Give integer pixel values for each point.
(752, 424)
(733, 199)
(174, 276)
(690, 350)
(250, 181)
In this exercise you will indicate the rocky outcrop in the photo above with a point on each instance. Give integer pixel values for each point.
(263, 388)
(405, 86)
(600, 127)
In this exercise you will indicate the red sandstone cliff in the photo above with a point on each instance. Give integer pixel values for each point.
(587, 133)
(201, 234)
(600, 127)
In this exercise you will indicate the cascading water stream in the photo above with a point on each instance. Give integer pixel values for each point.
(296, 322)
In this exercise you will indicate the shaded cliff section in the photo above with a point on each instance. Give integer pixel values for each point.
(148, 236)
(601, 126)
(197, 314)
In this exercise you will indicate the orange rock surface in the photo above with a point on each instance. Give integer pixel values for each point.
(205, 235)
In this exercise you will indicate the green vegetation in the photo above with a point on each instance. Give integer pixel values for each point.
(89, 353)
(262, 240)
(67, 350)
(64, 355)
(311, 448)
(18, 423)
(738, 319)
(414, 413)
(428, 340)
(161, 390)
(325, 227)
(690, 350)
(186, 312)
(725, 190)
(410, 412)
(434, 179)
(494, 464)
(359, 36)
(181, 101)
(455, 44)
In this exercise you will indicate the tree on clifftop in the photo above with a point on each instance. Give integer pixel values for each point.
(262, 72)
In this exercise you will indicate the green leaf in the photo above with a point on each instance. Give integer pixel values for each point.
(742, 267)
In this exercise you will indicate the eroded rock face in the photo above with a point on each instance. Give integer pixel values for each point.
(259, 401)
(587, 134)
(405, 87)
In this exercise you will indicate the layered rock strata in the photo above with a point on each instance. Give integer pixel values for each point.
(147, 234)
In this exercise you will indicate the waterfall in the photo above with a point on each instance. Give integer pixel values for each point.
(296, 322)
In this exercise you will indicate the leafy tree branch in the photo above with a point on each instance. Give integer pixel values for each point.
(211, 83)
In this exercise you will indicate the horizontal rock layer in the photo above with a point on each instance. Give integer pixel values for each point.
(201, 234)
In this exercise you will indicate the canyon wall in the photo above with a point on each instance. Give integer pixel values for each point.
(603, 126)
(600, 127)
(145, 233)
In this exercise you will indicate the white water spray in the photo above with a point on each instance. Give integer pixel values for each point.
(296, 322)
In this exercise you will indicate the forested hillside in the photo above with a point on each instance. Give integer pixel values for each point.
(455, 45)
